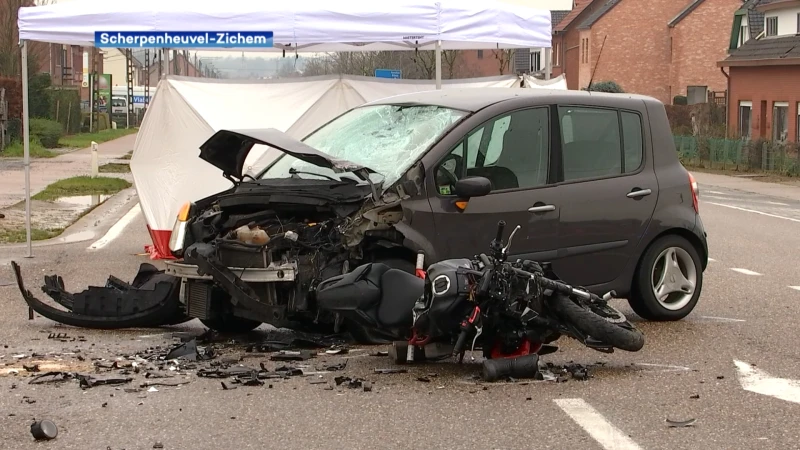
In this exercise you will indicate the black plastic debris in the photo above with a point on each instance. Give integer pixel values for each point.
(387, 371)
(352, 383)
(250, 379)
(158, 445)
(225, 387)
(224, 372)
(680, 423)
(289, 371)
(44, 430)
(424, 379)
(317, 382)
(87, 381)
(31, 368)
(335, 367)
(51, 377)
(187, 350)
(695, 396)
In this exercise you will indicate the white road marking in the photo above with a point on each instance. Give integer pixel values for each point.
(760, 382)
(778, 203)
(664, 367)
(716, 192)
(796, 288)
(722, 319)
(606, 434)
(712, 259)
(754, 211)
(744, 271)
(116, 230)
(718, 197)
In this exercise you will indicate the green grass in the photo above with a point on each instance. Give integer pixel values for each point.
(17, 236)
(115, 168)
(84, 140)
(128, 155)
(84, 185)
(16, 150)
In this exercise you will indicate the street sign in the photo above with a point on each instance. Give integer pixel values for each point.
(388, 73)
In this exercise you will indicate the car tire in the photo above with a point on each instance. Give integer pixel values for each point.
(684, 265)
(230, 324)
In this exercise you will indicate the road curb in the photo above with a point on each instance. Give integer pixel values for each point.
(93, 224)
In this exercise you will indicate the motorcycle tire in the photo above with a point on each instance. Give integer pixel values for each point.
(596, 326)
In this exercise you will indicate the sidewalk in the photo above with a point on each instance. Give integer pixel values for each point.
(45, 171)
(786, 191)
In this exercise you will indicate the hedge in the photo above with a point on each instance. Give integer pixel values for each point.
(65, 108)
(48, 131)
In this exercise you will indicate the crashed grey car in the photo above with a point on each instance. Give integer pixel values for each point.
(593, 179)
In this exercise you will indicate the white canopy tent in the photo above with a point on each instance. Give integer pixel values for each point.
(307, 26)
(559, 82)
(186, 111)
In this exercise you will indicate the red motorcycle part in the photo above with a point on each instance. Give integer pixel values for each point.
(526, 348)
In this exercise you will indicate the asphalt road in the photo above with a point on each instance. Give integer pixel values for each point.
(687, 369)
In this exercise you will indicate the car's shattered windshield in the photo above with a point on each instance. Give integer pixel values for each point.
(384, 138)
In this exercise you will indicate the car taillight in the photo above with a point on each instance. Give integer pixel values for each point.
(695, 193)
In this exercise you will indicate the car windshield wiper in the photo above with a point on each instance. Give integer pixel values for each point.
(293, 171)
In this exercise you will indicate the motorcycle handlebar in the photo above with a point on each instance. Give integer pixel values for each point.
(500, 227)
(555, 285)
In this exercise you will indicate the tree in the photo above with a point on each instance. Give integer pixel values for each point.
(503, 59)
(10, 52)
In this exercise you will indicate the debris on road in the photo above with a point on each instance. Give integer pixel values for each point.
(150, 300)
(680, 423)
(44, 430)
(388, 371)
(87, 381)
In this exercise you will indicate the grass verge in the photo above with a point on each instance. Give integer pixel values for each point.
(84, 140)
(17, 236)
(16, 150)
(83, 185)
(766, 177)
(115, 168)
(128, 155)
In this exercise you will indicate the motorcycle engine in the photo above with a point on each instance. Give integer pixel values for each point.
(445, 301)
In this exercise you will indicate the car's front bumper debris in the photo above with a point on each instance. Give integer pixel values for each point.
(151, 300)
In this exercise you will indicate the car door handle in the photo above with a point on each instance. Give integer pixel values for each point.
(544, 208)
(639, 193)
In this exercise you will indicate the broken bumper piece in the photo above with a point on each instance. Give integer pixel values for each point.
(151, 300)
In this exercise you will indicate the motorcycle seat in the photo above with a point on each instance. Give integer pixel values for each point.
(375, 289)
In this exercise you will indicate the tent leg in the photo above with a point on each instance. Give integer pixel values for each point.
(548, 62)
(438, 64)
(26, 139)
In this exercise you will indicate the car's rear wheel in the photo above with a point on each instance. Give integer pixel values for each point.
(668, 281)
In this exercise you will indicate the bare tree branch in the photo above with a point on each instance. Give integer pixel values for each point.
(503, 59)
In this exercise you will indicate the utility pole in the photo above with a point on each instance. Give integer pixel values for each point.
(175, 65)
(196, 73)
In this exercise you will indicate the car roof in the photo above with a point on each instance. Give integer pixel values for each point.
(475, 99)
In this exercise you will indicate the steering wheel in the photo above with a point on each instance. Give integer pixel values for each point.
(449, 167)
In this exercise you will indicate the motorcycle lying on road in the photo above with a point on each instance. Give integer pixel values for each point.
(511, 311)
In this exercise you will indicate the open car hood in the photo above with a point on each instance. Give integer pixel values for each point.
(227, 150)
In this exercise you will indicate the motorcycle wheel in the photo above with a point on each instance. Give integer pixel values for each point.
(620, 334)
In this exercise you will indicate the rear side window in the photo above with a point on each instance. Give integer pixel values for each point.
(599, 143)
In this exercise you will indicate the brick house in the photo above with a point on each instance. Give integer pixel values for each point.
(485, 63)
(660, 48)
(764, 71)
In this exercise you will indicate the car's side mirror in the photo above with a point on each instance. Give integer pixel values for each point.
(469, 187)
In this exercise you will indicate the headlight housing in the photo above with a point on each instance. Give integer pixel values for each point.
(178, 235)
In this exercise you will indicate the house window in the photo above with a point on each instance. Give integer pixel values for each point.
(480, 54)
(772, 26)
(556, 52)
(585, 50)
(745, 114)
(744, 35)
(536, 61)
(798, 23)
(696, 94)
(780, 121)
(798, 107)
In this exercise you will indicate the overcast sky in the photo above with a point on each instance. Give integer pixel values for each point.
(546, 4)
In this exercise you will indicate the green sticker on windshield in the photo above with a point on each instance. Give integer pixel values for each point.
(444, 190)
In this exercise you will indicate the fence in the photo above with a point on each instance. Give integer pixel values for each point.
(739, 155)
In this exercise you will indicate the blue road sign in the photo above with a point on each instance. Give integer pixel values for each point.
(387, 73)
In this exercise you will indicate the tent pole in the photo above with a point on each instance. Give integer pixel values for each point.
(438, 64)
(26, 139)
